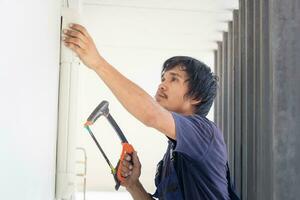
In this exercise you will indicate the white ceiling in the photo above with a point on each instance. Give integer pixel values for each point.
(190, 25)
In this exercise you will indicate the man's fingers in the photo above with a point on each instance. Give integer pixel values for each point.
(126, 168)
(124, 174)
(125, 171)
(74, 47)
(76, 34)
(75, 41)
(127, 164)
(79, 28)
(128, 157)
(131, 175)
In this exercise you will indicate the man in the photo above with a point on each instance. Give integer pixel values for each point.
(194, 166)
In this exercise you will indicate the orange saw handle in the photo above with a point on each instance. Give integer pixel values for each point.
(126, 149)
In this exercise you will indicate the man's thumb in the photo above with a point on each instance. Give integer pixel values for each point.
(135, 159)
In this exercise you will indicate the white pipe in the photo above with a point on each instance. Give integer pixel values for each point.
(67, 119)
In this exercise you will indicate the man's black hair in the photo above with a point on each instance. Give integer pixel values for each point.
(202, 83)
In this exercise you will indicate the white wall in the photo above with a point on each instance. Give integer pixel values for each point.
(29, 68)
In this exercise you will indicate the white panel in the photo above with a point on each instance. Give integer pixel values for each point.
(67, 119)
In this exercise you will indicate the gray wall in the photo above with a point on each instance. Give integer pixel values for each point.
(285, 58)
(258, 103)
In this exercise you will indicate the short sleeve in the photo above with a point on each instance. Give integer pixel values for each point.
(194, 135)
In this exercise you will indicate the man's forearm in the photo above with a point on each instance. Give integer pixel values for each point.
(138, 192)
(140, 104)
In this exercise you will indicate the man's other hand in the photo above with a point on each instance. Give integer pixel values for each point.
(131, 170)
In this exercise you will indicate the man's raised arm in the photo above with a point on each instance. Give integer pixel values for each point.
(135, 100)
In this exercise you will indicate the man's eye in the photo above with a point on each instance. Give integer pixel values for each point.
(173, 79)
(162, 79)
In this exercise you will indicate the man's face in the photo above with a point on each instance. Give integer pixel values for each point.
(171, 91)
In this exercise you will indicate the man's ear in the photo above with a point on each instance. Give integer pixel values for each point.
(195, 101)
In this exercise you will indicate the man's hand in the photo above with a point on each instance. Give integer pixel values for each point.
(78, 39)
(131, 170)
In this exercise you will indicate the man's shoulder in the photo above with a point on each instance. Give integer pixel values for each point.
(193, 119)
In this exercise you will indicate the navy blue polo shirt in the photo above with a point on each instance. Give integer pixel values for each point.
(200, 158)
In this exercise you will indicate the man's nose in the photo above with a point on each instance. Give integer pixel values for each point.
(162, 86)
